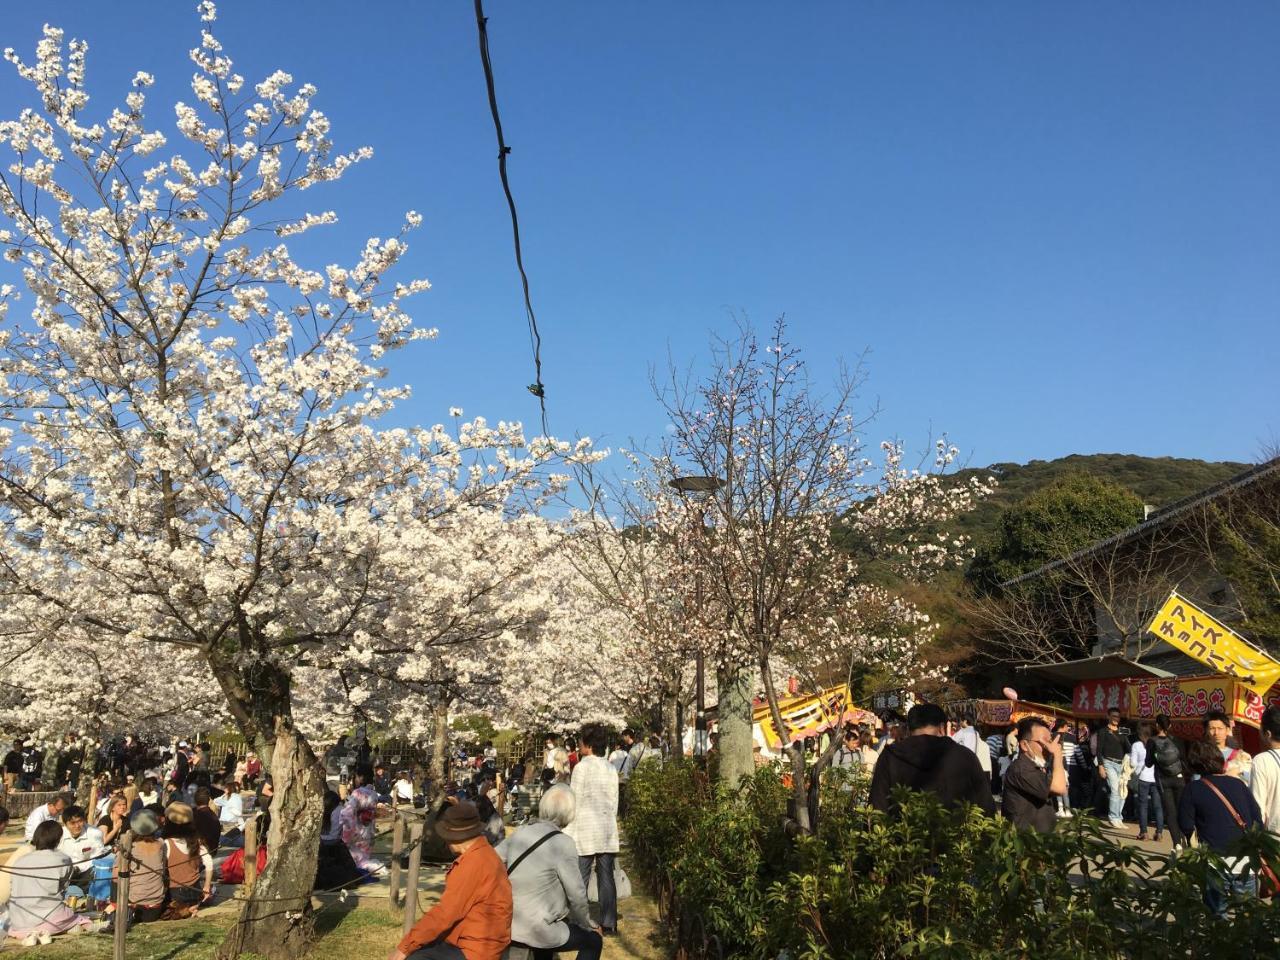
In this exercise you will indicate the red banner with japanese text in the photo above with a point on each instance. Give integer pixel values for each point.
(1093, 698)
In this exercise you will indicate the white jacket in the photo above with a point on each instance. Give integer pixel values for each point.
(595, 788)
(1265, 787)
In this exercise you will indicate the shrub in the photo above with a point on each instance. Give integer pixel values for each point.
(929, 884)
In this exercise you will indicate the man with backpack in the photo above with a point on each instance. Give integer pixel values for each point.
(1170, 776)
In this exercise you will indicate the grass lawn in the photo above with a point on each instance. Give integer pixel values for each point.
(360, 927)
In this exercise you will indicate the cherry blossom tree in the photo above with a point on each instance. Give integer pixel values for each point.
(193, 475)
(627, 546)
(792, 469)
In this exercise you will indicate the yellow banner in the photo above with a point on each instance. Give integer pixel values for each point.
(1182, 624)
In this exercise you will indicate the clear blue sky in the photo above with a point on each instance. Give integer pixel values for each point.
(1055, 225)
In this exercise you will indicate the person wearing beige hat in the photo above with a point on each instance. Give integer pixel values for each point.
(190, 864)
(472, 921)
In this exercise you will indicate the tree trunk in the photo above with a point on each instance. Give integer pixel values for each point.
(799, 788)
(277, 920)
(671, 723)
(735, 742)
(434, 848)
(439, 768)
(88, 771)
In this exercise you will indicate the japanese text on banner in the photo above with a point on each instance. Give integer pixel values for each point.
(1182, 624)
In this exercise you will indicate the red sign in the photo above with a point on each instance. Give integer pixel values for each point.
(1094, 698)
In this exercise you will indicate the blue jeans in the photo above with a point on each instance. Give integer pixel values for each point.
(605, 885)
(1149, 793)
(1224, 887)
(1115, 802)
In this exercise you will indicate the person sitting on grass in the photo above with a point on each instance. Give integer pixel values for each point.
(231, 814)
(232, 870)
(148, 877)
(189, 863)
(114, 822)
(472, 921)
(206, 820)
(82, 843)
(40, 879)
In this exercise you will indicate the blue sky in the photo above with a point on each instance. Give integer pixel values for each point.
(1054, 226)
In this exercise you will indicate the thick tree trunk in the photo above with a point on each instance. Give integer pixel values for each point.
(277, 920)
(734, 726)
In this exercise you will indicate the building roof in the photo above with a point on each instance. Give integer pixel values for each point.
(1110, 666)
(1179, 508)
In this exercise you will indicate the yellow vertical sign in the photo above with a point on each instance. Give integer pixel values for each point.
(1182, 624)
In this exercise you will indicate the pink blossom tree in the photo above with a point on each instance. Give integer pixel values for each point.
(792, 470)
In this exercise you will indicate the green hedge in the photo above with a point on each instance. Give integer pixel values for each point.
(930, 884)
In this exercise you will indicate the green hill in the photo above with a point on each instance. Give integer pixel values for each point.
(1160, 481)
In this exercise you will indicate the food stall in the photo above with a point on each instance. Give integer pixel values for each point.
(806, 715)
(1186, 700)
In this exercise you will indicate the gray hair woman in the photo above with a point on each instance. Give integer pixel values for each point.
(549, 899)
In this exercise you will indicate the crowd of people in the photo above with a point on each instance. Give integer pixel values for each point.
(162, 814)
(178, 824)
(531, 888)
(1207, 788)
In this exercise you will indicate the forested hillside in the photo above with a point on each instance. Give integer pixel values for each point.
(1159, 481)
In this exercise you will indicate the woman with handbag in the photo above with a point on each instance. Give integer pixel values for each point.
(1219, 808)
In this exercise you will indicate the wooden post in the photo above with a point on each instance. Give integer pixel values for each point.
(250, 854)
(122, 896)
(411, 883)
(397, 848)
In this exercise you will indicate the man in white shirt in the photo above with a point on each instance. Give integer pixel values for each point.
(81, 842)
(967, 736)
(47, 811)
(618, 757)
(595, 826)
(1265, 782)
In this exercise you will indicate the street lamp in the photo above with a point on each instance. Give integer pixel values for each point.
(699, 488)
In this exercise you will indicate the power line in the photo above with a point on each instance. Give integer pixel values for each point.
(537, 388)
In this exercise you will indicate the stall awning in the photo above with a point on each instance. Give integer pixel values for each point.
(1109, 667)
(809, 715)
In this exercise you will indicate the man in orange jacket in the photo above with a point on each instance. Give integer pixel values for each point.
(472, 921)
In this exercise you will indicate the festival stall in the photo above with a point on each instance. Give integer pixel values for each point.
(807, 715)
(1186, 700)
(997, 715)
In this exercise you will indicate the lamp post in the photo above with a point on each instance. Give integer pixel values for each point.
(700, 489)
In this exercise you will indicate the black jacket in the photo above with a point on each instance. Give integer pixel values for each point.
(938, 765)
